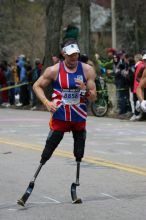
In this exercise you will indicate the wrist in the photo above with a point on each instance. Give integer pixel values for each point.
(45, 101)
(85, 92)
(88, 93)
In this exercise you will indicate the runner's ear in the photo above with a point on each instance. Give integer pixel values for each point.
(62, 53)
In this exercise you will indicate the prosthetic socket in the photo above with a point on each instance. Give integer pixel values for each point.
(54, 139)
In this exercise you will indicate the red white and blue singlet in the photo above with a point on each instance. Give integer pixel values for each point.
(71, 105)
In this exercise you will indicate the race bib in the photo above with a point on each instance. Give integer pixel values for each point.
(70, 96)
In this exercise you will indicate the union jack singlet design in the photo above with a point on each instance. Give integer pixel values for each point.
(71, 105)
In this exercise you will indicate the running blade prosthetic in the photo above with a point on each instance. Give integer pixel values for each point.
(26, 195)
(75, 199)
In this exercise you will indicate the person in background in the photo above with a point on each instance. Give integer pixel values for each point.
(36, 72)
(70, 32)
(130, 76)
(10, 82)
(122, 87)
(105, 67)
(24, 89)
(106, 64)
(14, 69)
(116, 63)
(55, 59)
(3, 83)
(139, 64)
(141, 87)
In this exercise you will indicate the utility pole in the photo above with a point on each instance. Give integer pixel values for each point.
(113, 15)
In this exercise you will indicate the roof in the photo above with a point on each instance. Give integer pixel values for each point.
(103, 3)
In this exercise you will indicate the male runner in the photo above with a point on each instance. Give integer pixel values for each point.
(72, 82)
(141, 87)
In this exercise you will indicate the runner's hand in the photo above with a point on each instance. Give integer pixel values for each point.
(80, 84)
(51, 106)
(137, 107)
(143, 105)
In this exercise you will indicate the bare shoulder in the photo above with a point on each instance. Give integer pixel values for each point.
(89, 71)
(51, 72)
(144, 74)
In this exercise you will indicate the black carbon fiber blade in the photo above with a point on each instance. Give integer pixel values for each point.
(75, 199)
(26, 195)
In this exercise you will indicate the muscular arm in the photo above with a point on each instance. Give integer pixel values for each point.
(44, 80)
(91, 75)
(139, 75)
(90, 86)
(142, 85)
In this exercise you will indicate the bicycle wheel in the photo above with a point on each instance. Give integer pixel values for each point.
(99, 107)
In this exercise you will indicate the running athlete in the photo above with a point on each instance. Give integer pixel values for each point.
(141, 87)
(73, 82)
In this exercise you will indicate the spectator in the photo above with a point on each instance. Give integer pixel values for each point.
(10, 82)
(55, 59)
(108, 62)
(24, 89)
(71, 32)
(131, 71)
(122, 87)
(14, 69)
(3, 84)
(36, 72)
(105, 67)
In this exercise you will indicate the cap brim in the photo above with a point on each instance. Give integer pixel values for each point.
(71, 52)
(71, 49)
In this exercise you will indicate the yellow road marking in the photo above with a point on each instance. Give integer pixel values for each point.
(88, 159)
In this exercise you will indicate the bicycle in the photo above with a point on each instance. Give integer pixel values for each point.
(100, 106)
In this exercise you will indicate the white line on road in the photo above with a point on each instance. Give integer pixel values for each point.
(12, 209)
(45, 202)
(110, 196)
(54, 200)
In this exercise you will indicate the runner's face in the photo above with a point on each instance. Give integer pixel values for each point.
(71, 60)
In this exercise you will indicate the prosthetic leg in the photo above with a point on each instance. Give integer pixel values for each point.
(79, 145)
(29, 189)
(75, 199)
(52, 142)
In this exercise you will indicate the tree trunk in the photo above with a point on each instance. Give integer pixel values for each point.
(54, 12)
(85, 26)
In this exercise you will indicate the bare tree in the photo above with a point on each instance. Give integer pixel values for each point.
(22, 29)
(54, 12)
(130, 17)
(85, 25)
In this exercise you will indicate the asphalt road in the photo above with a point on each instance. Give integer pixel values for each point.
(113, 173)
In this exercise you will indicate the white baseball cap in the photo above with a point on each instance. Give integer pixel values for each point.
(144, 57)
(70, 49)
